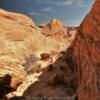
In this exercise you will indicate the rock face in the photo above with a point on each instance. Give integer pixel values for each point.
(57, 28)
(84, 60)
(86, 55)
(22, 47)
(52, 27)
(57, 79)
(12, 34)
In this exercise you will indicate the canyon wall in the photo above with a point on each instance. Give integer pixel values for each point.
(86, 55)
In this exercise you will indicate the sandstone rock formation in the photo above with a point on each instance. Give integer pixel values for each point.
(86, 55)
(52, 27)
(85, 61)
(27, 51)
(55, 27)
(22, 48)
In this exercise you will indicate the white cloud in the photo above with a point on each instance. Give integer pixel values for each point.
(36, 14)
(65, 3)
(47, 9)
(79, 3)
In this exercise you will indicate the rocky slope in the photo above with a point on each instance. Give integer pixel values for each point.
(24, 51)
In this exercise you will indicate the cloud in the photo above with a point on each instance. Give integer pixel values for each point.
(79, 3)
(65, 3)
(36, 14)
(47, 9)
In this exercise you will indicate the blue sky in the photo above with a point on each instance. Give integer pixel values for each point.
(71, 12)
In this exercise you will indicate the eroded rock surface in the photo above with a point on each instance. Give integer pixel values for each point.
(55, 27)
(86, 55)
(21, 46)
(84, 62)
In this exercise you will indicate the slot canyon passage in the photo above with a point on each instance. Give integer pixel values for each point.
(49, 62)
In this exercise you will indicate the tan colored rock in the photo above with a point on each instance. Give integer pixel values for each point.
(21, 42)
(19, 18)
(14, 33)
(24, 50)
(52, 27)
(56, 28)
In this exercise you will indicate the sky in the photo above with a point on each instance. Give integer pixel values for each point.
(71, 12)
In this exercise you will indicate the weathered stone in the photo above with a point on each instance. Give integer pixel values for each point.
(86, 55)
